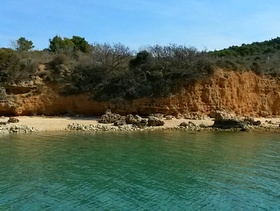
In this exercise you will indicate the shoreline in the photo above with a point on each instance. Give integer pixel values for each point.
(29, 124)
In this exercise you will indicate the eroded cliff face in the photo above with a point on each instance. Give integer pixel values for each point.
(244, 93)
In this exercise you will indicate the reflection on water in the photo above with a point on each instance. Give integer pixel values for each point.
(145, 171)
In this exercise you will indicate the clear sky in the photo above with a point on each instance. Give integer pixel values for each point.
(204, 24)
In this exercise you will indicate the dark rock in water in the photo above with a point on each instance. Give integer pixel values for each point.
(3, 123)
(13, 120)
(154, 121)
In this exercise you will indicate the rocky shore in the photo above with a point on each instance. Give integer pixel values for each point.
(215, 121)
(222, 121)
(10, 126)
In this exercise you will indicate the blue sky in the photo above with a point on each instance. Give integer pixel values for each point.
(204, 24)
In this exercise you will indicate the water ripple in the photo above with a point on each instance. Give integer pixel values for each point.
(141, 171)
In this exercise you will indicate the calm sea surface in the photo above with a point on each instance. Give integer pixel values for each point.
(140, 171)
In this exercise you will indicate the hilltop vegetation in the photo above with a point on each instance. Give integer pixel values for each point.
(114, 72)
(260, 57)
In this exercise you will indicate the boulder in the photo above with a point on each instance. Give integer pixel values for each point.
(119, 122)
(155, 121)
(109, 117)
(130, 119)
(13, 120)
(142, 123)
(228, 124)
(189, 124)
(183, 124)
(226, 120)
(138, 118)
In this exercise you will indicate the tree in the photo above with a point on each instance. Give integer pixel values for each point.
(67, 45)
(142, 57)
(81, 44)
(22, 44)
(59, 45)
(112, 57)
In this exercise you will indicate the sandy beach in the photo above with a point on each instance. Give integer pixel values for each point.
(57, 123)
(60, 123)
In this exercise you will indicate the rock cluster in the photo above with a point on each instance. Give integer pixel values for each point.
(222, 121)
(7, 127)
(16, 129)
(98, 127)
(190, 126)
(118, 120)
(121, 123)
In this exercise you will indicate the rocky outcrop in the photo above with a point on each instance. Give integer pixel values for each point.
(226, 120)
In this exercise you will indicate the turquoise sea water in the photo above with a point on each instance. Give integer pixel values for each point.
(167, 170)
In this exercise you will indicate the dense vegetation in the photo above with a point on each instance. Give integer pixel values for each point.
(261, 57)
(114, 72)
